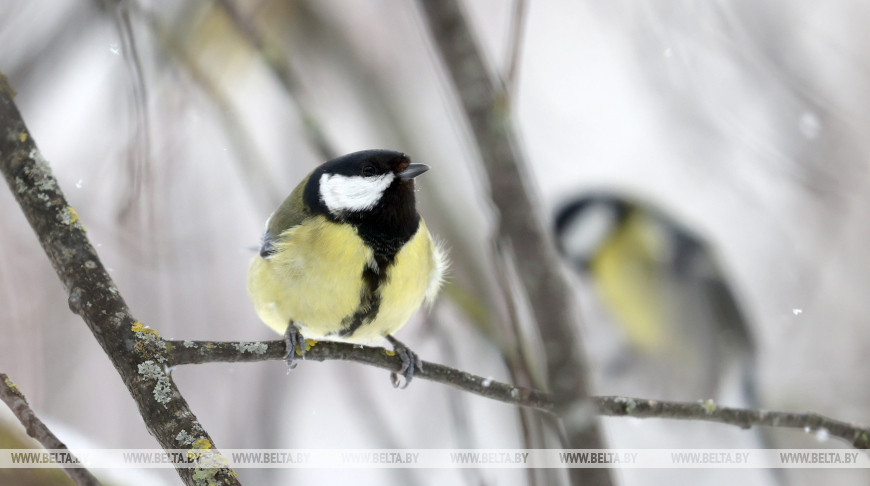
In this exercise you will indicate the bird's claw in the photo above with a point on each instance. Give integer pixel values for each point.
(410, 363)
(292, 339)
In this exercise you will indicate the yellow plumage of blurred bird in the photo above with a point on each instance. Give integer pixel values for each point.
(663, 287)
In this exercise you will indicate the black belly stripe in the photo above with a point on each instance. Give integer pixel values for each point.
(385, 244)
(370, 297)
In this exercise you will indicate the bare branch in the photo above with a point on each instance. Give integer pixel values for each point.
(520, 225)
(275, 57)
(515, 45)
(134, 350)
(139, 149)
(855, 434)
(198, 352)
(262, 186)
(35, 427)
(192, 352)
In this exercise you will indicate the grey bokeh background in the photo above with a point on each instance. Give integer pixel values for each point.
(174, 141)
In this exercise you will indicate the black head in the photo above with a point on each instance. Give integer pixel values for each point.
(583, 225)
(372, 190)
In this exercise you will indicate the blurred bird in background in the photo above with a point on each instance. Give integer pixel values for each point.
(682, 329)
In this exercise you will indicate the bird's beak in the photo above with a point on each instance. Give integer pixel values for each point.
(413, 170)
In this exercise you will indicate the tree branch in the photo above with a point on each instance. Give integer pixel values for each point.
(198, 352)
(194, 352)
(134, 350)
(35, 428)
(275, 57)
(515, 39)
(520, 226)
(857, 435)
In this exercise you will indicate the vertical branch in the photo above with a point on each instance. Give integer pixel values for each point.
(139, 354)
(524, 368)
(515, 43)
(262, 187)
(536, 260)
(139, 147)
(276, 59)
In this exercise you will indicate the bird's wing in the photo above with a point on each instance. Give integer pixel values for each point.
(733, 338)
(290, 213)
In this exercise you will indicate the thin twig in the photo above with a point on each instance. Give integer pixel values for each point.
(263, 187)
(36, 428)
(515, 44)
(706, 410)
(139, 147)
(520, 223)
(198, 352)
(521, 365)
(133, 349)
(275, 57)
(194, 352)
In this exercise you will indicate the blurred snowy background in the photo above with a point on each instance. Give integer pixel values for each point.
(174, 136)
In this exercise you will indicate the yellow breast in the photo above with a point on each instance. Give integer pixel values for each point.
(315, 280)
(406, 285)
(627, 279)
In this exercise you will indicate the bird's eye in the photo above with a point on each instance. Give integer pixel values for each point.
(368, 171)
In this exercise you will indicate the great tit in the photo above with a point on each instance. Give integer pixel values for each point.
(346, 257)
(662, 285)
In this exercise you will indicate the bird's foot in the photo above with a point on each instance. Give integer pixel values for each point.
(410, 363)
(295, 343)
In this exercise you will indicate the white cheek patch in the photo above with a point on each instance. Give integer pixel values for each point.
(584, 235)
(353, 193)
